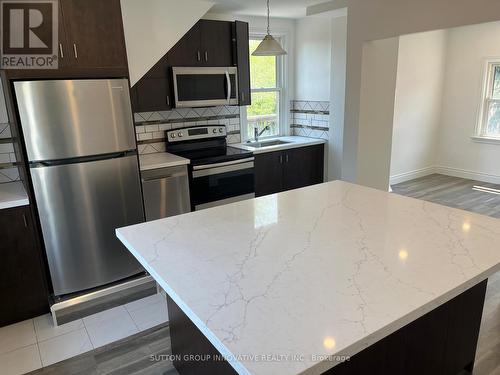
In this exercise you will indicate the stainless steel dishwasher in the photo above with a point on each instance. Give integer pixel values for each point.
(166, 192)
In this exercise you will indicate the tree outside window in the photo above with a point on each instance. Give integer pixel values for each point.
(266, 93)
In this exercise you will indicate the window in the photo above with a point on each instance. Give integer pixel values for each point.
(489, 118)
(267, 93)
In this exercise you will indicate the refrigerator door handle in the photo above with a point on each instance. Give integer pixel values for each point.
(83, 159)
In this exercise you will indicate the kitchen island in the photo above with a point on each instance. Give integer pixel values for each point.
(294, 282)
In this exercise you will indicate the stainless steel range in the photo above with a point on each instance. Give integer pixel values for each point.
(218, 173)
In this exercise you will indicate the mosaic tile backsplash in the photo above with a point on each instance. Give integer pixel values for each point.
(310, 118)
(8, 169)
(150, 127)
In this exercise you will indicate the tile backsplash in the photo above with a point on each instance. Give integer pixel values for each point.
(150, 127)
(310, 118)
(8, 168)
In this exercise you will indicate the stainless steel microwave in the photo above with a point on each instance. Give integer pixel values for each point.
(205, 86)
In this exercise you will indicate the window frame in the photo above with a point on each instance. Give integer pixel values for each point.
(480, 134)
(281, 65)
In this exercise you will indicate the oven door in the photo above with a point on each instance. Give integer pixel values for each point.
(222, 183)
(201, 87)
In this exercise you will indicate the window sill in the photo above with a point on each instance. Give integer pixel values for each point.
(483, 139)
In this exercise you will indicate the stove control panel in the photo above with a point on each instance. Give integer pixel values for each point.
(196, 132)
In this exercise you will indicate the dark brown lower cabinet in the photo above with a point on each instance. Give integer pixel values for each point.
(268, 173)
(23, 288)
(289, 169)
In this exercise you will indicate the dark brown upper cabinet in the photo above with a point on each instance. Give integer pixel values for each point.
(93, 34)
(207, 43)
(187, 51)
(153, 93)
(241, 39)
(216, 43)
(91, 42)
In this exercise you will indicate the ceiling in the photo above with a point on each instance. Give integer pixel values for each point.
(279, 8)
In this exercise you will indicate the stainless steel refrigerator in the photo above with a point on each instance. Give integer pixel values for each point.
(80, 142)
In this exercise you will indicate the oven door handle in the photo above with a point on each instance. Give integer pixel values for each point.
(224, 169)
(228, 80)
(206, 166)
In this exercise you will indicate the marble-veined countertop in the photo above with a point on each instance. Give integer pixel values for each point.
(292, 141)
(12, 194)
(324, 270)
(160, 160)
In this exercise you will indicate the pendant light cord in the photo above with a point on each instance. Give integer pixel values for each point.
(268, 29)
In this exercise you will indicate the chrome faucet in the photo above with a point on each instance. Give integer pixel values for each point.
(257, 134)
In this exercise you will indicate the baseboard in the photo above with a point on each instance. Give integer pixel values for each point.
(471, 175)
(411, 175)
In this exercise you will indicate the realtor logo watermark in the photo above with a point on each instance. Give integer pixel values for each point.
(29, 34)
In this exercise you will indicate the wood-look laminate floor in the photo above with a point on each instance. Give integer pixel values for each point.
(133, 355)
(459, 193)
(140, 354)
(453, 192)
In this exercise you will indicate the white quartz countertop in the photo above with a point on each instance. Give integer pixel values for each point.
(160, 160)
(12, 194)
(293, 142)
(325, 270)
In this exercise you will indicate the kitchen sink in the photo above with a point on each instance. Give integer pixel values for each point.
(274, 142)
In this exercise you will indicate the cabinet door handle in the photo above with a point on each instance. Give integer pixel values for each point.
(206, 56)
(281, 159)
(198, 55)
(75, 51)
(286, 158)
(168, 99)
(61, 51)
(25, 221)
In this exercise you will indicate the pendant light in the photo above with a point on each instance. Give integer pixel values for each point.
(269, 46)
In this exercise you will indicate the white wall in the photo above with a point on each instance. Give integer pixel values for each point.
(417, 108)
(313, 58)
(458, 154)
(153, 27)
(379, 19)
(376, 110)
(337, 97)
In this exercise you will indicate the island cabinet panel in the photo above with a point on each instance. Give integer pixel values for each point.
(23, 288)
(186, 340)
(442, 342)
(289, 169)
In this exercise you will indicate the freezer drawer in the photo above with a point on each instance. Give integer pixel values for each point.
(72, 118)
(80, 205)
(166, 192)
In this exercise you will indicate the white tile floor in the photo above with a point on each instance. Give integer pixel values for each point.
(36, 343)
